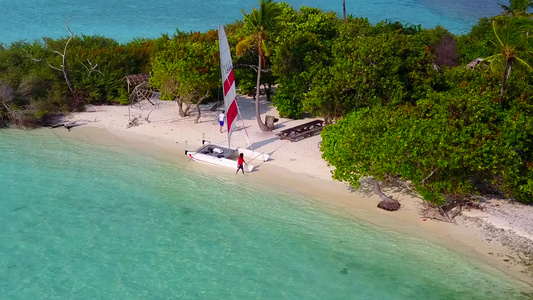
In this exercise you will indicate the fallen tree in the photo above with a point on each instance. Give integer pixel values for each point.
(387, 203)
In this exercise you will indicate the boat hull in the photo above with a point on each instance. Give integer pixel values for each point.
(225, 157)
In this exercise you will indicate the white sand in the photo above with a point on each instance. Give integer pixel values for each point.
(166, 125)
(299, 166)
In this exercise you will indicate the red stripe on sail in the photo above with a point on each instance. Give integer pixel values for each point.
(231, 114)
(228, 82)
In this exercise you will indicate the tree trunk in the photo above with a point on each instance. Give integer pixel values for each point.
(344, 10)
(262, 125)
(267, 90)
(64, 61)
(506, 72)
(186, 110)
(387, 203)
(65, 75)
(180, 107)
(199, 112)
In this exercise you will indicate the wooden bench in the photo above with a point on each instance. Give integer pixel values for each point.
(302, 131)
(305, 134)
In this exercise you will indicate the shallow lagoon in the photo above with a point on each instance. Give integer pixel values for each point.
(82, 221)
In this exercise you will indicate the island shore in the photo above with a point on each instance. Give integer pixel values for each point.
(500, 235)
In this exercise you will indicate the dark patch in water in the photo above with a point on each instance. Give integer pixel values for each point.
(344, 271)
(19, 208)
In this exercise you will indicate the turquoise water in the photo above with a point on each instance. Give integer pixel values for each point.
(87, 222)
(125, 20)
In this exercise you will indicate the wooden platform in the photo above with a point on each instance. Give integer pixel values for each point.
(302, 131)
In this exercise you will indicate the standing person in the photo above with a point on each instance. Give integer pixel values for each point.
(221, 117)
(240, 163)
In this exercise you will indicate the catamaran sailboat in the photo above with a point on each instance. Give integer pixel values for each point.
(222, 155)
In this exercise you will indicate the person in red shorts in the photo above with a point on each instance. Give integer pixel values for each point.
(240, 163)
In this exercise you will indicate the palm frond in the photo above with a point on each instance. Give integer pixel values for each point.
(524, 63)
(506, 9)
(516, 7)
(525, 25)
(258, 24)
(264, 18)
(244, 45)
(496, 62)
(496, 33)
(266, 48)
(251, 20)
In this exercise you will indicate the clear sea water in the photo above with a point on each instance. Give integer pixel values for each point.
(125, 20)
(80, 221)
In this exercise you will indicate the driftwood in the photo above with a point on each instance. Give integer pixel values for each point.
(387, 203)
(439, 213)
(74, 124)
(68, 125)
(58, 125)
(148, 116)
(134, 122)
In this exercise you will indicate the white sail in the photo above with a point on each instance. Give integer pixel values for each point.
(228, 82)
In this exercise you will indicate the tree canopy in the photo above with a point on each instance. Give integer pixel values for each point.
(258, 26)
(187, 69)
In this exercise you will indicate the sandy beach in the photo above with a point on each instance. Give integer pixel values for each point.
(499, 236)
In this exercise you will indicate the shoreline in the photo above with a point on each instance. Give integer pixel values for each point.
(295, 166)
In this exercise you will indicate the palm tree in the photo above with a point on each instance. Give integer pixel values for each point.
(517, 8)
(512, 47)
(258, 25)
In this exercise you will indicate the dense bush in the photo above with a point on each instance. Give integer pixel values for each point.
(187, 69)
(95, 68)
(477, 43)
(302, 48)
(452, 143)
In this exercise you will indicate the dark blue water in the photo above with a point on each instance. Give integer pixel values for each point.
(125, 20)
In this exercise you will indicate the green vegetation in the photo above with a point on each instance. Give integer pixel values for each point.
(34, 86)
(258, 26)
(399, 100)
(187, 69)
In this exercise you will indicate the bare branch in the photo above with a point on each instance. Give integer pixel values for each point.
(63, 66)
(92, 68)
(67, 24)
(423, 181)
(148, 116)
(254, 68)
(30, 56)
(7, 93)
(435, 212)
(51, 66)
